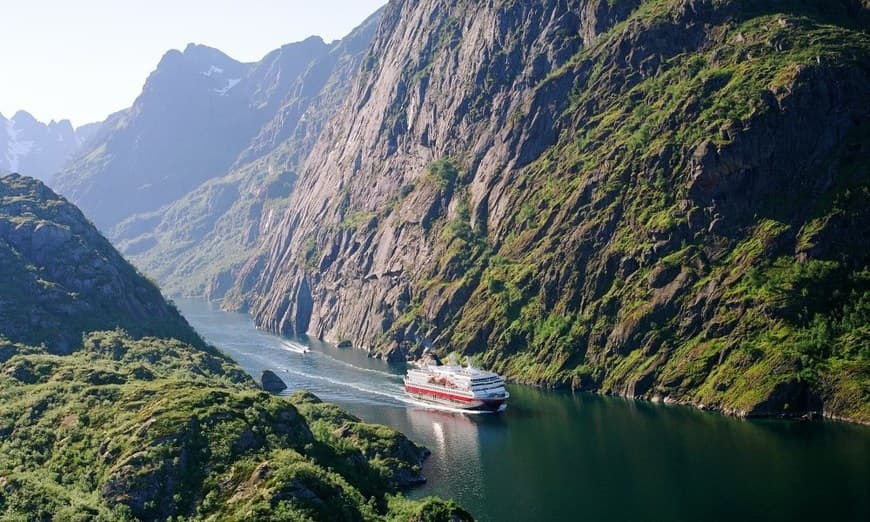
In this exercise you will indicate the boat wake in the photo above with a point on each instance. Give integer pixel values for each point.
(398, 396)
(357, 368)
(294, 347)
(390, 393)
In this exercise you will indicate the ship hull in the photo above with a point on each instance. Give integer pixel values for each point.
(444, 398)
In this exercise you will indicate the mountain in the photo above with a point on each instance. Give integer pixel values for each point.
(36, 148)
(61, 278)
(84, 133)
(662, 199)
(146, 422)
(194, 208)
(197, 112)
(196, 244)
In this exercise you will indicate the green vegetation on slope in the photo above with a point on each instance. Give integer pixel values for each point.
(155, 429)
(61, 278)
(192, 246)
(696, 233)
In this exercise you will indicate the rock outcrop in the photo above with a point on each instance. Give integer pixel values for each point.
(271, 382)
(617, 196)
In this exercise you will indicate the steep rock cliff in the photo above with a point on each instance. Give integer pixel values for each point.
(439, 78)
(661, 199)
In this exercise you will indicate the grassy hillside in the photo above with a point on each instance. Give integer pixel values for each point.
(61, 278)
(155, 429)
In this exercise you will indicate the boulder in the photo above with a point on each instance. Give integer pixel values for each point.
(271, 382)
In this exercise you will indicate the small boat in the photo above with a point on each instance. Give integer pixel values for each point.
(296, 347)
(457, 386)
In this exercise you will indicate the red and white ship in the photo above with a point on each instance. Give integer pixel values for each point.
(456, 386)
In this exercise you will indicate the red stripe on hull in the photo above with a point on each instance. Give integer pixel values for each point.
(443, 395)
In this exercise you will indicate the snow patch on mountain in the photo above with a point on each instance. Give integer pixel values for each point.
(230, 84)
(214, 69)
(15, 149)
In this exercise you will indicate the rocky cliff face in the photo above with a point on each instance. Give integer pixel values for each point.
(61, 278)
(195, 245)
(657, 199)
(414, 93)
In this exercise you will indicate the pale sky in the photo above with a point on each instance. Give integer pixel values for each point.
(84, 59)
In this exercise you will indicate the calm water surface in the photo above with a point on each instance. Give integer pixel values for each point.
(563, 456)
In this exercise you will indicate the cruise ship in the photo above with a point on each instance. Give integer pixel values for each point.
(457, 386)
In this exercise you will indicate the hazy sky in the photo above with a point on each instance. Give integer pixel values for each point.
(84, 59)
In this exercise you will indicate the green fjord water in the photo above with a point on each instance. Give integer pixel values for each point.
(564, 456)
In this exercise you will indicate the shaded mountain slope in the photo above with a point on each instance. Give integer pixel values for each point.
(197, 111)
(662, 199)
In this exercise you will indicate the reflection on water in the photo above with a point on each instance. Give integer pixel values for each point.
(563, 456)
(454, 437)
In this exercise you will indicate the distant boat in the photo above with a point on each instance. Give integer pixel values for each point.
(296, 347)
(456, 386)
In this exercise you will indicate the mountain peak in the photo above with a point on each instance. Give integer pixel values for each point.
(63, 124)
(197, 59)
(24, 117)
(169, 57)
(204, 53)
(314, 39)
